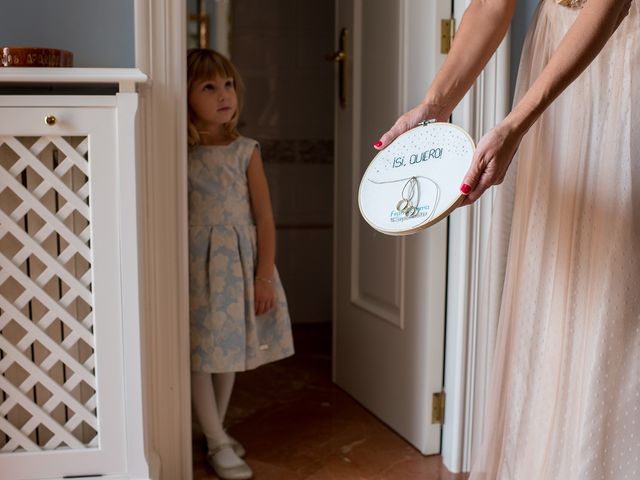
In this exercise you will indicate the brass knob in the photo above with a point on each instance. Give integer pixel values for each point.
(338, 56)
(50, 120)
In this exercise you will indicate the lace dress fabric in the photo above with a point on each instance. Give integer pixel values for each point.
(572, 3)
(226, 335)
(564, 394)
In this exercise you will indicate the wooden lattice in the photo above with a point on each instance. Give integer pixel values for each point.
(47, 362)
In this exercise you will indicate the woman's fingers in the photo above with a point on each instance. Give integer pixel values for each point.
(473, 175)
(481, 176)
(490, 162)
(401, 126)
(486, 180)
(423, 111)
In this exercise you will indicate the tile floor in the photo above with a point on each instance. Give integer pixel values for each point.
(297, 425)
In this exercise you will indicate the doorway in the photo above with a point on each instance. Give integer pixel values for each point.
(281, 51)
(280, 48)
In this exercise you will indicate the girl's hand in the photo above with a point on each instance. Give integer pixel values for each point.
(264, 296)
(490, 162)
(420, 113)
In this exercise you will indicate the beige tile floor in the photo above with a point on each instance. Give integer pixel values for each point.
(297, 425)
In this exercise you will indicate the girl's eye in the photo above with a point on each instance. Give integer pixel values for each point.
(208, 86)
(228, 83)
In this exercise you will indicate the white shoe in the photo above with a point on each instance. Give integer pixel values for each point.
(227, 464)
(237, 446)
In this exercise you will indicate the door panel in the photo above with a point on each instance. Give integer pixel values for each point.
(380, 298)
(389, 291)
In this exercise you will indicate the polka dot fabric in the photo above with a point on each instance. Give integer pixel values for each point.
(565, 397)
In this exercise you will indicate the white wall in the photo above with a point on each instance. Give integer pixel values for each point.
(100, 33)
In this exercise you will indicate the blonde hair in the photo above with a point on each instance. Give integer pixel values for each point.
(203, 64)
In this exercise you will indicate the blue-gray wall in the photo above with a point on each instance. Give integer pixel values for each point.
(519, 26)
(100, 33)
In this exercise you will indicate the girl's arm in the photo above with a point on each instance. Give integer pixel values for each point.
(591, 30)
(265, 231)
(482, 28)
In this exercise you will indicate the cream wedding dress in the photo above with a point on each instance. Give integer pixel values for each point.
(564, 400)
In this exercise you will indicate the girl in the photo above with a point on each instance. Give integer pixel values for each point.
(238, 310)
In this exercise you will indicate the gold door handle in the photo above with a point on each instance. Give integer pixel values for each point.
(341, 57)
(50, 120)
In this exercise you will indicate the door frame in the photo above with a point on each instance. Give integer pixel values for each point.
(160, 52)
(160, 37)
(471, 319)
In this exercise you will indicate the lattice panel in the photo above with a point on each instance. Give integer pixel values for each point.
(47, 346)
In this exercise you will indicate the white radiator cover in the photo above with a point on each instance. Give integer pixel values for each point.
(70, 362)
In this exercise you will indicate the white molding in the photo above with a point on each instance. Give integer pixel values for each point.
(62, 101)
(386, 314)
(137, 465)
(466, 352)
(161, 54)
(404, 59)
(125, 77)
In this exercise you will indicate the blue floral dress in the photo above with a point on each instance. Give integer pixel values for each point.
(226, 335)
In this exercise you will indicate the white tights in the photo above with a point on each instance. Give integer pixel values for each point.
(210, 394)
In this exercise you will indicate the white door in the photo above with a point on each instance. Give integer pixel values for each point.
(389, 291)
(61, 360)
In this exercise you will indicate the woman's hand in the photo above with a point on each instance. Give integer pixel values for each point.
(490, 162)
(420, 113)
(264, 296)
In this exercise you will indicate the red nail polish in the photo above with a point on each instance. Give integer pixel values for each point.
(378, 144)
(465, 189)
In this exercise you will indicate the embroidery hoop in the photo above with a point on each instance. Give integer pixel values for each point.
(415, 182)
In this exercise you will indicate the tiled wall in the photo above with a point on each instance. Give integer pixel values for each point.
(279, 46)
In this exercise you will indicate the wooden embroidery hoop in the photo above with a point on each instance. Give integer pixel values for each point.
(432, 157)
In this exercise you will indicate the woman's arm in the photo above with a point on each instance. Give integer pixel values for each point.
(591, 30)
(585, 39)
(482, 28)
(265, 231)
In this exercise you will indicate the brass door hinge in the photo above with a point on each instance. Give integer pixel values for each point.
(447, 32)
(437, 408)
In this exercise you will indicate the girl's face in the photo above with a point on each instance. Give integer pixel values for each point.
(213, 101)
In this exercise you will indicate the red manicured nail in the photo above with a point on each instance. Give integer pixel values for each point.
(378, 144)
(465, 189)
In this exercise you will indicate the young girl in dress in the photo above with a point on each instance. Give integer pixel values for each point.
(238, 310)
